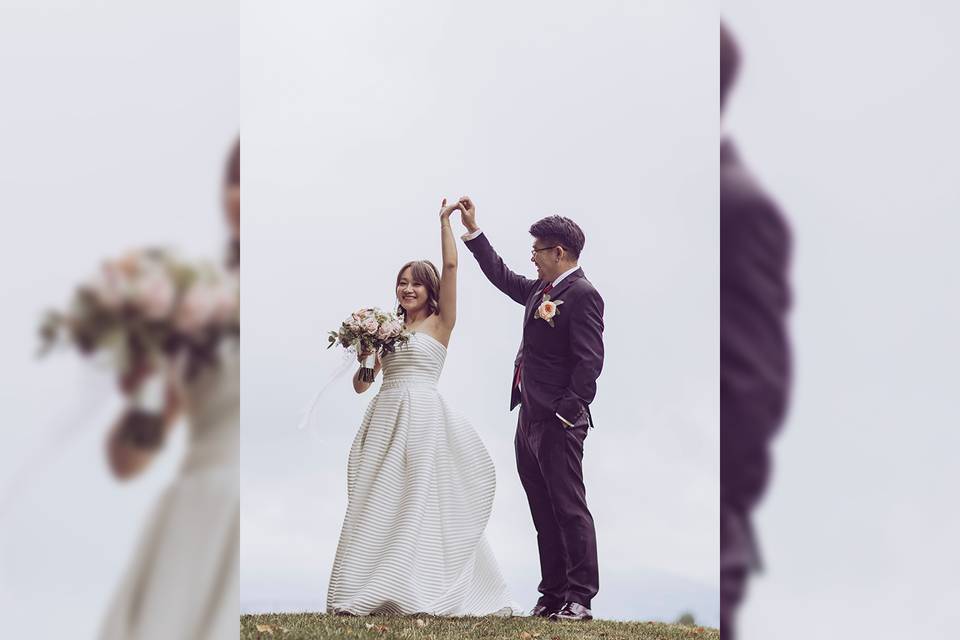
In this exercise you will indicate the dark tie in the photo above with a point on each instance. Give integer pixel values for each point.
(547, 289)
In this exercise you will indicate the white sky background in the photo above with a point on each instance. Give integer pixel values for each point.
(847, 111)
(116, 124)
(366, 114)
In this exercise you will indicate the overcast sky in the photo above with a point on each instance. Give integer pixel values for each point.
(847, 112)
(365, 115)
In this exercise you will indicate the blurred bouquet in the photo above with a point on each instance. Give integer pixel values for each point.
(370, 331)
(146, 310)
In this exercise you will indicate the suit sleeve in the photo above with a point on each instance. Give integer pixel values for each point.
(755, 362)
(514, 285)
(586, 351)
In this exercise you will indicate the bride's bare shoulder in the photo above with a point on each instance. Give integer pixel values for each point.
(436, 330)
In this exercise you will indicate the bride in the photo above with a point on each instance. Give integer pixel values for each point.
(182, 579)
(420, 483)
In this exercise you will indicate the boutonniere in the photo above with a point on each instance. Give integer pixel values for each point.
(548, 309)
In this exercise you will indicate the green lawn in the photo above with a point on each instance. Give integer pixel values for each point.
(294, 626)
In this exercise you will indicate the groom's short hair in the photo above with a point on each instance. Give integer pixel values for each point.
(562, 231)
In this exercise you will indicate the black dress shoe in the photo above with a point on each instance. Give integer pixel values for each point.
(573, 611)
(543, 611)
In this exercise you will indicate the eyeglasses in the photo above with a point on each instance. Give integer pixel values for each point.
(534, 252)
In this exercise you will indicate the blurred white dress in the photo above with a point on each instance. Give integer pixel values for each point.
(182, 579)
(420, 487)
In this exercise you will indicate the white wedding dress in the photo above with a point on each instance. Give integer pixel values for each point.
(420, 488)
(182, 580)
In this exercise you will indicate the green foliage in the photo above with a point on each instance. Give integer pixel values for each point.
(686, 618)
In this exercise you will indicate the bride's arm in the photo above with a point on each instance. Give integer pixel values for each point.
(126, 456)
(360, 386)
(448, 277)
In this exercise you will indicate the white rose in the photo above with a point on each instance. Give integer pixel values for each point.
(547, 310)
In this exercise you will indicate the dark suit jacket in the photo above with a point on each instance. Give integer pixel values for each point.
(559, 365)
(754, 350)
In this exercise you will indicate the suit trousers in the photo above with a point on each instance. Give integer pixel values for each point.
(733, 586)
(549, 461)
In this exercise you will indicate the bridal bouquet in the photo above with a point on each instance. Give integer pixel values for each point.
(143, 310)
(370, 330)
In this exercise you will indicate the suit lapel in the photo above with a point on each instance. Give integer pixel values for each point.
(555, 293)
(532, 304)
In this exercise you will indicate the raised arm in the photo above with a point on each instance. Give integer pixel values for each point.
(513, 284)
(448, 276)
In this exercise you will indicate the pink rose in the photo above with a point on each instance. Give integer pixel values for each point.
(227, 300)
(196, 310)
(109, 287)
(129, 263)
(370, 325)
(154, 294)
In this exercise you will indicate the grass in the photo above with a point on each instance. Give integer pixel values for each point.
(300, 626)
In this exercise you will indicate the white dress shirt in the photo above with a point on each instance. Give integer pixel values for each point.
(564, 275)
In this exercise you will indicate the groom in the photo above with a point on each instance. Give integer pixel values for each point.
(554, 381)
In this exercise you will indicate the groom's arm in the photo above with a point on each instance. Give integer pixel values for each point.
(586, 349)
(514, 285)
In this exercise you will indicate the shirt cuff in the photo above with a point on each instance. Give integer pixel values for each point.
(564, 420)
(470, 236)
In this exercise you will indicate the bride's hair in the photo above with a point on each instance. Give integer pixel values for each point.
(231, 178)
(423, 271)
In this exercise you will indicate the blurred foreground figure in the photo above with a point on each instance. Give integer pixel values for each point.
(182, 579)
(754, 353)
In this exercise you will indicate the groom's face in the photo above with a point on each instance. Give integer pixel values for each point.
(544, 256)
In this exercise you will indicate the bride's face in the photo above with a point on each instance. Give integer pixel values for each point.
(411, 293)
